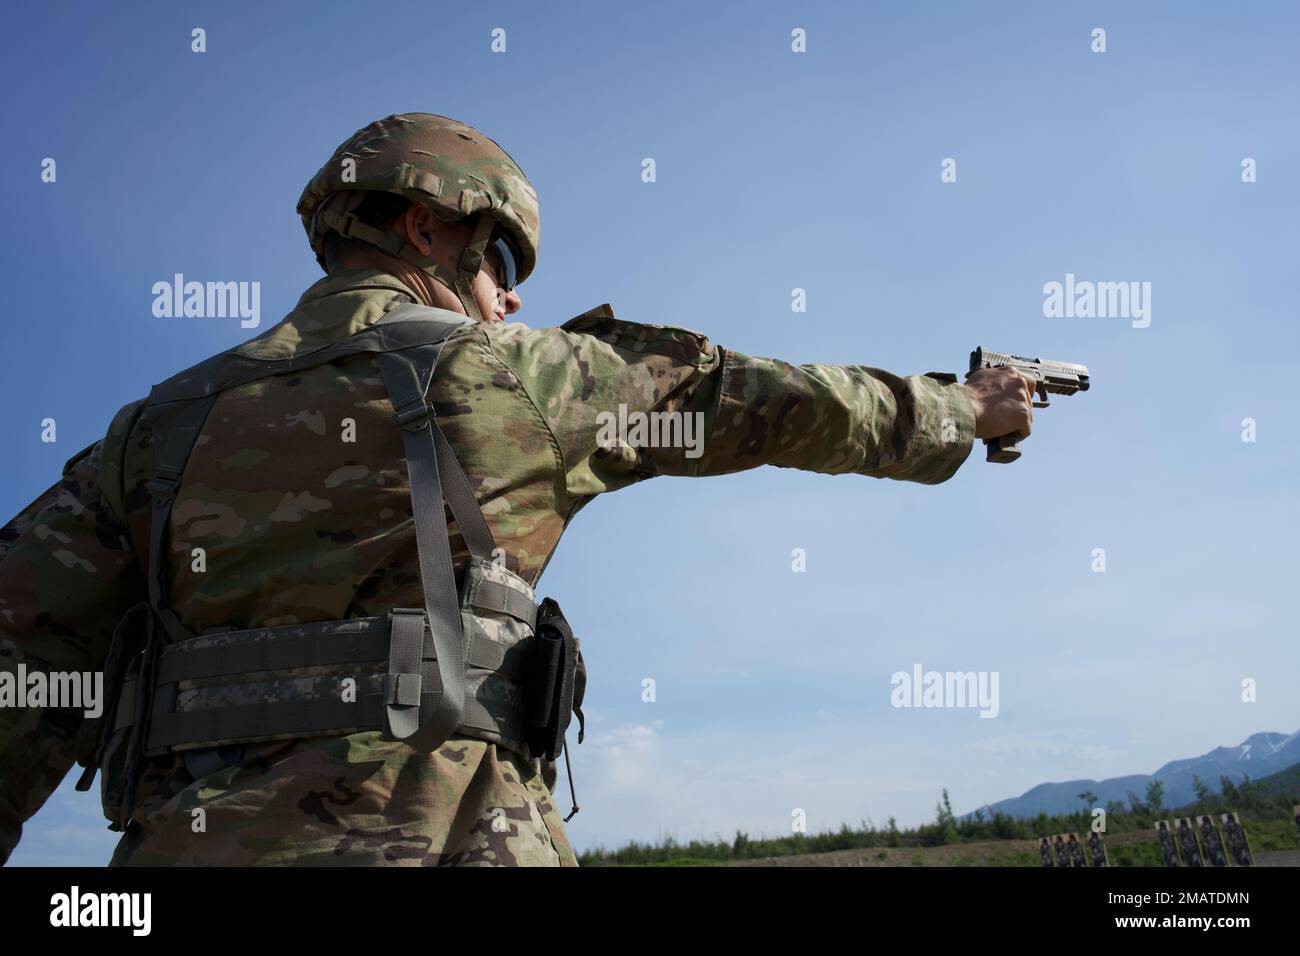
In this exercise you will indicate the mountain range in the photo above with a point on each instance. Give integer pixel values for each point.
(1257, 756)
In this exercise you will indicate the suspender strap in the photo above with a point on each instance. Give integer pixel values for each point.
(460, 498)
(413, 409)
(425, 703)
(172, 449)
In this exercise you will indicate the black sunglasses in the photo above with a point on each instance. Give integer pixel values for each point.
(507, 257)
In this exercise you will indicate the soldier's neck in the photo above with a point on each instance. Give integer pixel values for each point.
(427, 289)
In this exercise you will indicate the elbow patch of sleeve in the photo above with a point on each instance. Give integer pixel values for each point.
(676, 342)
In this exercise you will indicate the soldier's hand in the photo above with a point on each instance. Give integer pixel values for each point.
(1003, 400)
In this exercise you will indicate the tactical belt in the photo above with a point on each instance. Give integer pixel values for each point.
(481, 660)
(251, 665)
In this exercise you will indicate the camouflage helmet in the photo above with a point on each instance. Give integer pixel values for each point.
(450, 168)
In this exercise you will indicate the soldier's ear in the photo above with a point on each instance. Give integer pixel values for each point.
(414, 224)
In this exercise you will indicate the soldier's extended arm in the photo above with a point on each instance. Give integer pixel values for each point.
(66, 575)
(600, 377)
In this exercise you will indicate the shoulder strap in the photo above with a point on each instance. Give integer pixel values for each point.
(175, 433)
(404, 327)
(425, 701)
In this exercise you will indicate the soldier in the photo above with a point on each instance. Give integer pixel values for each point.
(272, 591)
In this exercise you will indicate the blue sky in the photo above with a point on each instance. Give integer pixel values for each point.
(775, 170)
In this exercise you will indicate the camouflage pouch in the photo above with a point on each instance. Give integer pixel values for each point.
(497, 617)
(527, 701)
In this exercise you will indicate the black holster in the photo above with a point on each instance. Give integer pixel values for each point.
(557, 682)
(114, 743)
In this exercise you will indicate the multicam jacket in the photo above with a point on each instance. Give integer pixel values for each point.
(297, 493)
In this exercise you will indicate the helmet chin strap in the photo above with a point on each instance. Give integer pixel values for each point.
(460, 283)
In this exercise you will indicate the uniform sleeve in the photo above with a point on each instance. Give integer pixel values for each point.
(67, 574)
(628, 401)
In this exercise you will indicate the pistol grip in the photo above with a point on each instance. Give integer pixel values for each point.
(1003, 450)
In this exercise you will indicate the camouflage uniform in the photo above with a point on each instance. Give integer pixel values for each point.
(299, 525)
